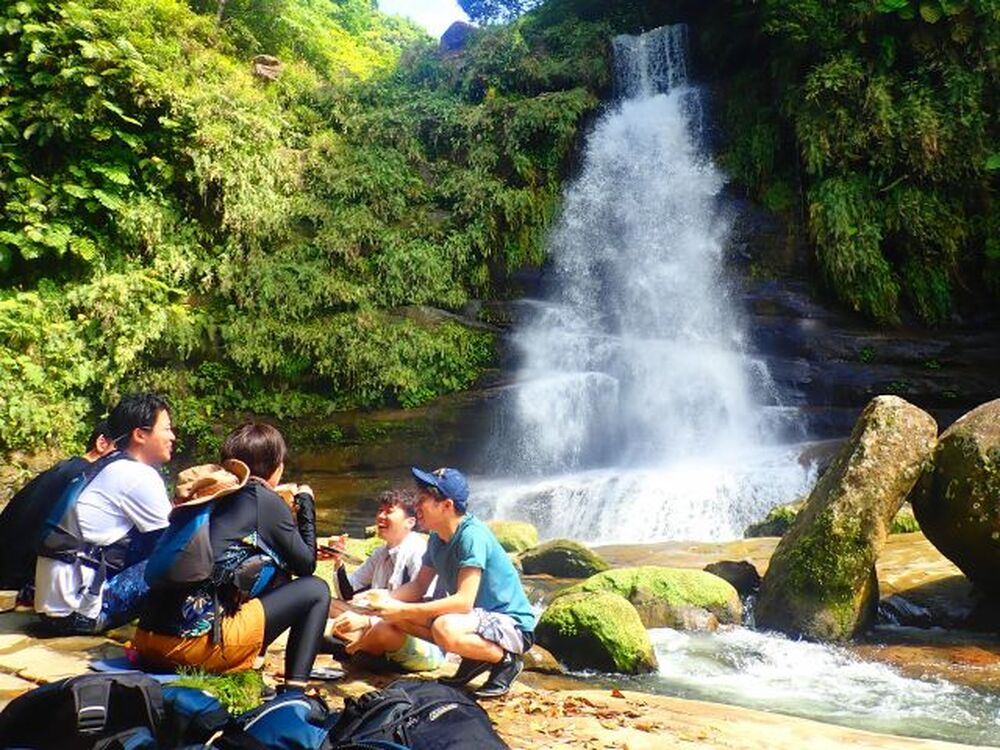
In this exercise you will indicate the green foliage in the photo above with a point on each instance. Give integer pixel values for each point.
(884, 113)
(284, 248)
(238, 692)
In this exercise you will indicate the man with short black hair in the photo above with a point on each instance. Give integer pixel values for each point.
(485, 616)
(120, 512)
(22, 518)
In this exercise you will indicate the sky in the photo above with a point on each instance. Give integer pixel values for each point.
(433, 15)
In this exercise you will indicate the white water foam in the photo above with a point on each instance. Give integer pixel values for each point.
(636, 408)
(828, 683)
(689, 499)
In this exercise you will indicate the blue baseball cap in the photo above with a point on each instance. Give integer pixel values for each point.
(449, 482)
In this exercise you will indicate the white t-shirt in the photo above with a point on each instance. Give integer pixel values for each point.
(387, 567)
(125, 494)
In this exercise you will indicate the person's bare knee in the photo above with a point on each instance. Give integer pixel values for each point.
(452, 632)
(380, 638)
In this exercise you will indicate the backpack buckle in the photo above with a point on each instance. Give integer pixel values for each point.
(91, 719)
(91, 698)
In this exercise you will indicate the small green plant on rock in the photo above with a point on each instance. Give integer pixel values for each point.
(238, 692)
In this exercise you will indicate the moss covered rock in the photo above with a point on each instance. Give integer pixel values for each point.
(514, 536)
(775, 523)
(905, 521)
(958, 504)
(821, 579)
(562, 558)
(669, 597)
(596, 631)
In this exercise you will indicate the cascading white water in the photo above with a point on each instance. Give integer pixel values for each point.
(635, 405)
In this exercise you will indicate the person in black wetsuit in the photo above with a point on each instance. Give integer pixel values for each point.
(221, 624)
(22, 518)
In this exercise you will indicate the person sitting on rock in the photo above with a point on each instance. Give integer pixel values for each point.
(484, 616)
(119, 515)
(221, 624)
(390, 566)
(23, 517)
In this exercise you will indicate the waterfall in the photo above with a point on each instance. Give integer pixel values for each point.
(635, 404)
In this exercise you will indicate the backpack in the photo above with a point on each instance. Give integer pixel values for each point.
(193, 718)
(416, 714)
(60, 537)
(22, 518)
(87, 712)
(292, 721)
(183, 558)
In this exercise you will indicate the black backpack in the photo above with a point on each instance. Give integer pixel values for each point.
(22, 519)
(87, 712)
(416, 714)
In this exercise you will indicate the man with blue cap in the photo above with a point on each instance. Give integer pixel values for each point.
(484, 616)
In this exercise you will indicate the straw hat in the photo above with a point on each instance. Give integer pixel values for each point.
(200, 484)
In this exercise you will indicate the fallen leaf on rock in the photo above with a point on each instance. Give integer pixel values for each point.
(616, 693)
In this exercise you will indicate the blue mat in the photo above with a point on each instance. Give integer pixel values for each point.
(122, 664)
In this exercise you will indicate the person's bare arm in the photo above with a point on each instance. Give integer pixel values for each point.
(394, 609)
(415, 590)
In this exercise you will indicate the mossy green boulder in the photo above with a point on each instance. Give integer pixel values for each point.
(821, 582)
(669, 597)
(958, 503)
(514, 536)
(562, 558)
(780, 519)
(775, 523)
(596, 630)
(905, 521)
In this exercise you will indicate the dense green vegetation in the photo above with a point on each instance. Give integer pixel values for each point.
(874, 124)
(296, 246)
(172, 221)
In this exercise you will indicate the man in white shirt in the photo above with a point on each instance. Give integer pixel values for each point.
(120, 513)
(388, 567)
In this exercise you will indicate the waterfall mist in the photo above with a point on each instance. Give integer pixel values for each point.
(636, 414)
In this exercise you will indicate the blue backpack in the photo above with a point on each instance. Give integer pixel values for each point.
(183, 554)
(184, 559)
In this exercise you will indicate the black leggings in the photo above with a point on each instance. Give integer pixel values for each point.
(303, 606)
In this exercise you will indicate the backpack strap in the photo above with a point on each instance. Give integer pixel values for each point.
(90, 702)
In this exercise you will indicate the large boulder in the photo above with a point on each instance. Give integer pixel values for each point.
(741, 574)
(596, 631)
(958, 503)
(679, 598)
(562, 558)
(514, 536)
(821, 580)
(456, 37)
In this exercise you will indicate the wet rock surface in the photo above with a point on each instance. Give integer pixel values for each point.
(740, 574)
(596, 630)
(958, 505)
(830, 363)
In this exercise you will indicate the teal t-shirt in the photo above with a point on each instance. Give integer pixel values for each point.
(474, 546)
